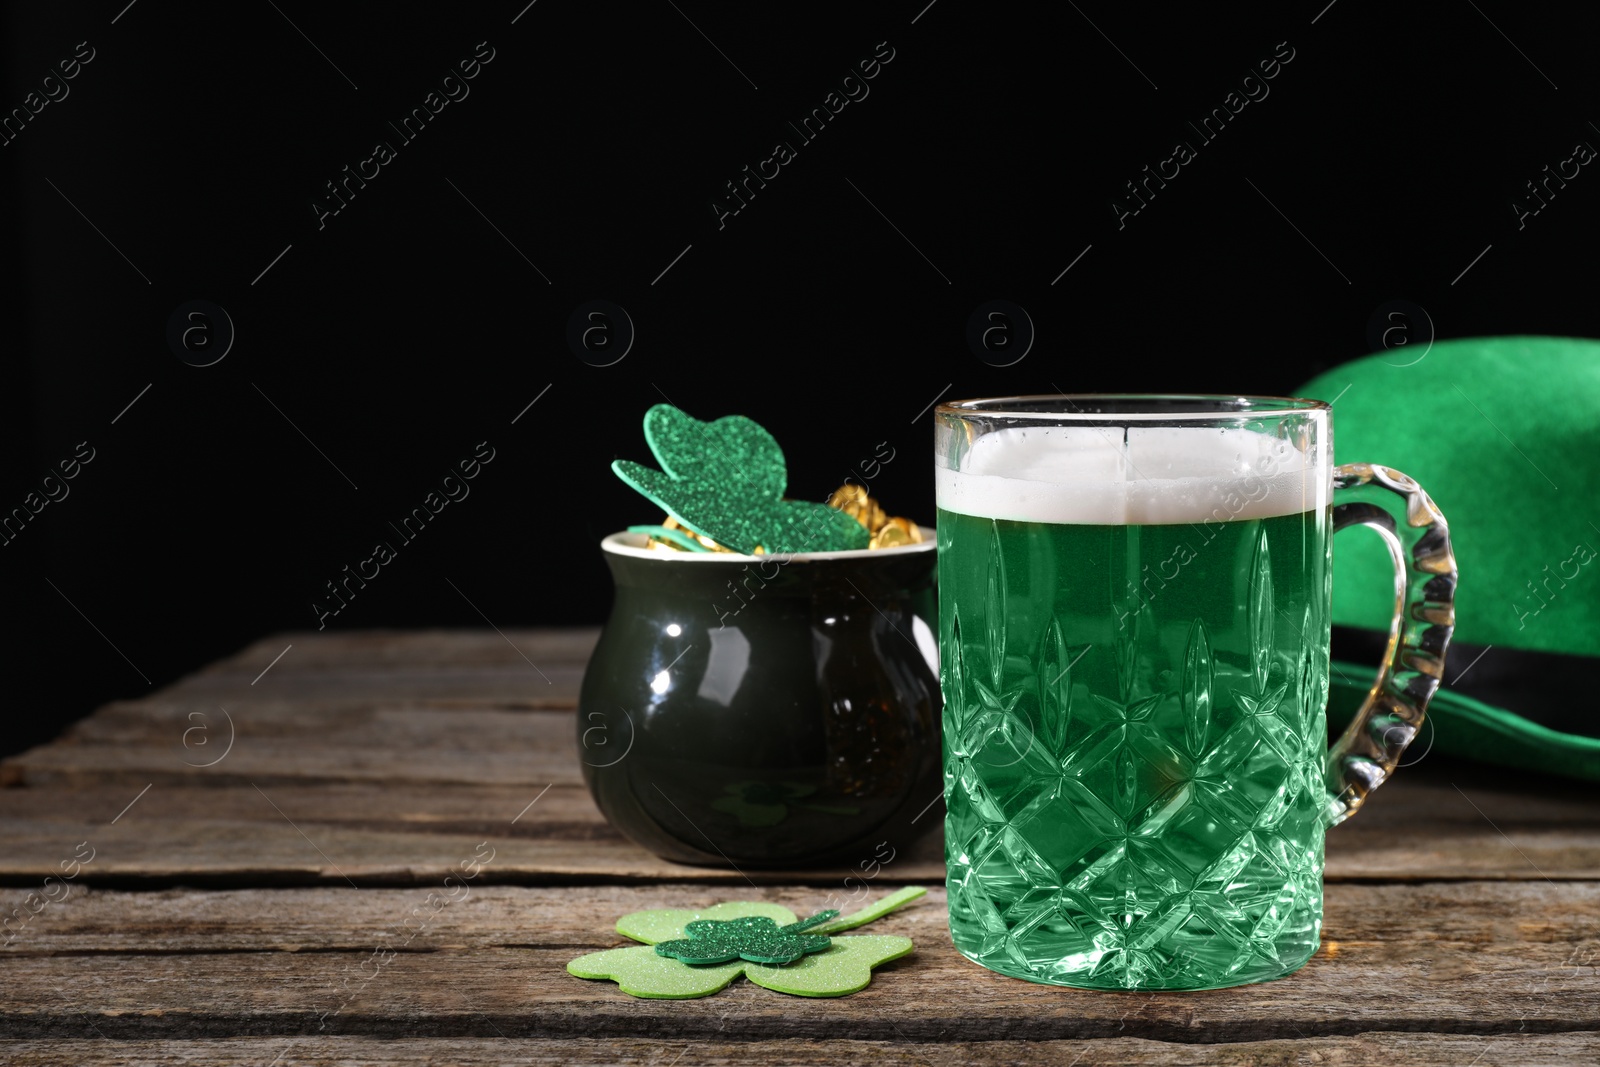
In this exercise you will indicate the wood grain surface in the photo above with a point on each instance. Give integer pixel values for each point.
(233, 913)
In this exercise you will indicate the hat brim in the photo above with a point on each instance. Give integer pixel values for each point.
(1463, 726)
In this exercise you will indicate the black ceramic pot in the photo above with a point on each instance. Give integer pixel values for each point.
(766, 712)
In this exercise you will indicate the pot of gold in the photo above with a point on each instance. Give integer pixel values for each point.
(765, 692)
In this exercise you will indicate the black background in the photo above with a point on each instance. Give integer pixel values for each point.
(833, 309)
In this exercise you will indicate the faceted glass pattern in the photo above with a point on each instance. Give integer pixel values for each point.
(1135, 747)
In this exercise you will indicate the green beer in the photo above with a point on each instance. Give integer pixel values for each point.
(1134, 656)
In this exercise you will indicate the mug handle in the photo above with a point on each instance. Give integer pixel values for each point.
(1424, 618)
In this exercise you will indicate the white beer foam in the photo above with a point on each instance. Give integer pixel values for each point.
(1116, 476)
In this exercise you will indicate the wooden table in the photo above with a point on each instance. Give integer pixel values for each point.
(230, 913)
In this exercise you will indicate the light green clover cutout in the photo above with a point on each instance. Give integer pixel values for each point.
(846, 967)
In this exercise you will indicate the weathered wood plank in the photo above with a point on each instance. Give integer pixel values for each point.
(267, 853)
(387, 758)
(566, 811)
(517, 685)
(273, 833)
(187, 920)
(1520, 916)
(392, 780)
(446, 993)
(165, 738)
(1486, 959)
(440, 668)
(264, 852)
(257, 833)
(162, 739)
(359, 650)
(1357, 1050)
(307, 742)
(404, 796)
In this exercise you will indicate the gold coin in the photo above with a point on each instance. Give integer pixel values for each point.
(890, 536)
(913, 531)
(853, 501)
(657, 544)
(673, 524)
(846, 495)
(896, 532)
(887, 531)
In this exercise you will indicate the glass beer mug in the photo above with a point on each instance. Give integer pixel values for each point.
(1134, 604)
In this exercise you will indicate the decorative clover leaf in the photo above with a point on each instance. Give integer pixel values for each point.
(638, 971)
(725, 480)
(845, 967)
(654, 927)
(752, 937)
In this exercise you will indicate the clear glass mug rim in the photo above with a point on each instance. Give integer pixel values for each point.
(1144, 407)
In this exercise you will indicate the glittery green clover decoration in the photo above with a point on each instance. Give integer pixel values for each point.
(751, 937)
(725, 480)
(843, 966)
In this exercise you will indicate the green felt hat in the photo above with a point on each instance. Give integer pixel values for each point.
(1504, 434)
